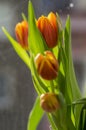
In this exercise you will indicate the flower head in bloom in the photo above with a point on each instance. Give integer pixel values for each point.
(49, 28)
(49, 102)
(47, 65)
(21, 31)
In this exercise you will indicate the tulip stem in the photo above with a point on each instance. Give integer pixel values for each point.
(52, 86)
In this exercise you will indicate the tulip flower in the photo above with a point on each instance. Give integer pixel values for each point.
(49, 28)
(49, 102)
(47, 65)
(21, 31)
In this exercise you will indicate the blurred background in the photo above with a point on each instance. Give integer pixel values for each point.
(17, 93)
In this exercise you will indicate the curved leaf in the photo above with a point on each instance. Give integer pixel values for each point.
(36, 41)
(17, 47)
(35, 116)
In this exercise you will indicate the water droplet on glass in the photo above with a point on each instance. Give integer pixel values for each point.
(71, 5)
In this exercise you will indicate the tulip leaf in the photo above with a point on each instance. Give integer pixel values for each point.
(82, 121)
(72, 88)
(60, 118)
(17, 47)
(36, 41)
(84, 128)
(69, 84)
(80, 101)
(35, 115)
(24, 17)
(72, 77)
(53, 125)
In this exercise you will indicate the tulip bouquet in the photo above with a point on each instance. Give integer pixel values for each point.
(45, 47)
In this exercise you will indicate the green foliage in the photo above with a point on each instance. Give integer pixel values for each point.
(35, 116)
(72, 114)
(17, 47)
(24, 17)
(36, 42)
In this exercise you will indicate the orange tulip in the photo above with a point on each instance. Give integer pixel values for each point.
(21, 31)
(47, 65)
(49, 102)
(49, 29)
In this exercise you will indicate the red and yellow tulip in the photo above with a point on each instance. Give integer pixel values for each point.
(49, 102)
(49, 29)
(21, 31)
(47, 65)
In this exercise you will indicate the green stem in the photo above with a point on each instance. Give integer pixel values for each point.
(52, 122)
(52, 86)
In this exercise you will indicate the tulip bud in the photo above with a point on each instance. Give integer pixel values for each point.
(21, 31)
(49, 29)
(49, 102)
(47, 65)
(53, 21)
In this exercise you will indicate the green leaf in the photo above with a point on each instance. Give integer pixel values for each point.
(60, 119)
(59, 116)
(79, 101)
(35, 116)
(70, 67)
(24, 17)
(85, 122)
(36, 41)
(72, 88)
(59, 22)
(17, 47)
(82, 121)
(52, 123)
(70, 119)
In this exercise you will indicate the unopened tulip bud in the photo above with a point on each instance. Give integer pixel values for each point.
(49, 102)
(47, 65)
(53, 20)
(21, 31)
(49, 29)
